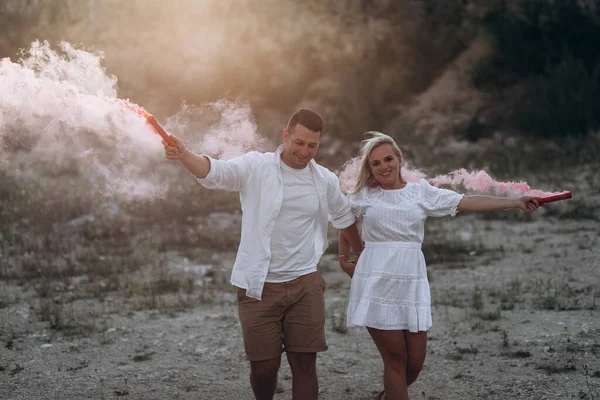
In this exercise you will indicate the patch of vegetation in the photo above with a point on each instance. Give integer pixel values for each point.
(548, 46)
(508, 294)
(576, 209)
(551, 369)
(517, 354)
(467, 350)
(505, 341)
(446, 252)
(491, 315)
(477, 299)
(556, 295)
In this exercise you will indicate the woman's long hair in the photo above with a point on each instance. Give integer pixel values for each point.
(365, 177)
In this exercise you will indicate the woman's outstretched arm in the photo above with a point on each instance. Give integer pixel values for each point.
(490, 203)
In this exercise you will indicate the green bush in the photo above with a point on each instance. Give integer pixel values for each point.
(550, 49)
(564, 102)
(538, 34)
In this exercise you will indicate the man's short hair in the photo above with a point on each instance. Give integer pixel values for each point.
(309, 118)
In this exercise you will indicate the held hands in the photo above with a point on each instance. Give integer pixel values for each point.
(528, 203)
(174, 153)
(347, 265)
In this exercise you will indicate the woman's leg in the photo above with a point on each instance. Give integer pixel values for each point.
(416, 346)
(392, 347)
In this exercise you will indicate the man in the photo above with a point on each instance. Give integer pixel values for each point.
(286, 200)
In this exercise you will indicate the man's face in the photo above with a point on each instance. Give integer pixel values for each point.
(299, 146)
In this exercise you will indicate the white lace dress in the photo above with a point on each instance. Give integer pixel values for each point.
(390, 290)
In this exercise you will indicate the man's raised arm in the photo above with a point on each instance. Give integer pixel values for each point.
(198, 165)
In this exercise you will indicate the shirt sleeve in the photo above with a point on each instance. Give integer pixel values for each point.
(438, 202)
(340, 213)
(231, 175)
(358, 204)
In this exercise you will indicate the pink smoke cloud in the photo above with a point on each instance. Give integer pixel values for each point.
(477, 181)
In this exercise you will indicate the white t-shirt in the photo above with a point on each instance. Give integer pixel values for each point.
(293, 238)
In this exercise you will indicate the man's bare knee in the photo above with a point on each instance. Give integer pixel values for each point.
(303, 363)
(265, 371)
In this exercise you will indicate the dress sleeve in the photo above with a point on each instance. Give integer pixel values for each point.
(438, 202)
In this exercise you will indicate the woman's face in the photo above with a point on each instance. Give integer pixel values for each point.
(385, 166)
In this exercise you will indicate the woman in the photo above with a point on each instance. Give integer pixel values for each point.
(389, 293)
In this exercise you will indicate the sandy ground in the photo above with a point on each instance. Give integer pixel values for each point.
(517, 318)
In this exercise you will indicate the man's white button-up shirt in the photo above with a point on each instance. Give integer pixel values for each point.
(257, 177)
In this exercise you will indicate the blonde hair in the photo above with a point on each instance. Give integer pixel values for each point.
(365, 177)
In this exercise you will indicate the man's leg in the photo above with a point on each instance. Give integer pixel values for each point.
(263, 377)
(262, 327)
(305, 384)
(304, 333)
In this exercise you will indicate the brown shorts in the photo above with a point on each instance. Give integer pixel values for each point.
(290, 317)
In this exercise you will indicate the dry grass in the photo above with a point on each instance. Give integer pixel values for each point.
(80, 267)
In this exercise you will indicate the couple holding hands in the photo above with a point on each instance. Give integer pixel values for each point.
(287, 200)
